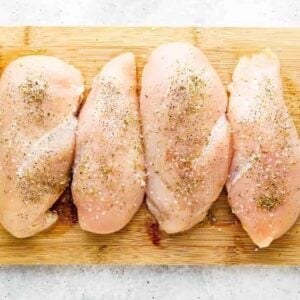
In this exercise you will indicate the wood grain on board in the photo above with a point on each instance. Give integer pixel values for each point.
(220, 239)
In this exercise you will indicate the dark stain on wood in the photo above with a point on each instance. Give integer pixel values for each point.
(211, 217)
(65, 208)
(153, 231)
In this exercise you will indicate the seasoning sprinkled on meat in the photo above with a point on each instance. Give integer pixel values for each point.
(109, 180)
(264, 181)
(186, 135)
(39, 96)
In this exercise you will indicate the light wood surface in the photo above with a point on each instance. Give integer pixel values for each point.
(218, 240)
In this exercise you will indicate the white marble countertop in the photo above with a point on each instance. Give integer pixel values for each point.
(103, 282)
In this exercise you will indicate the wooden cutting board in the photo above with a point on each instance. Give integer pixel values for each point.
(220, 239)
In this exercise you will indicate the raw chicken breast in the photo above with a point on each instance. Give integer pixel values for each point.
(108, 183)
(187, 138)
(39, 96)
(264, 182)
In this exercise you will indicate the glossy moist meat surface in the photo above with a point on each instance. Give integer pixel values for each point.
(264, 181)
(108, 183)
(186, 134)
(39, 97)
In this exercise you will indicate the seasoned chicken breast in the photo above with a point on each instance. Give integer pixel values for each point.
(187, 138)
(39, 96)
(108, 183)
(264, 182)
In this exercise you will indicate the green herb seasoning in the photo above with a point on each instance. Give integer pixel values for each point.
(268, 202)
(34, 93)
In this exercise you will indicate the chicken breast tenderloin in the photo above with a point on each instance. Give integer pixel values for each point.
(39, 96)
(264, 182)
(187, 138)
(108, 183)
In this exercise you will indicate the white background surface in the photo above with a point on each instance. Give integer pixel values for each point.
(144, 283)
